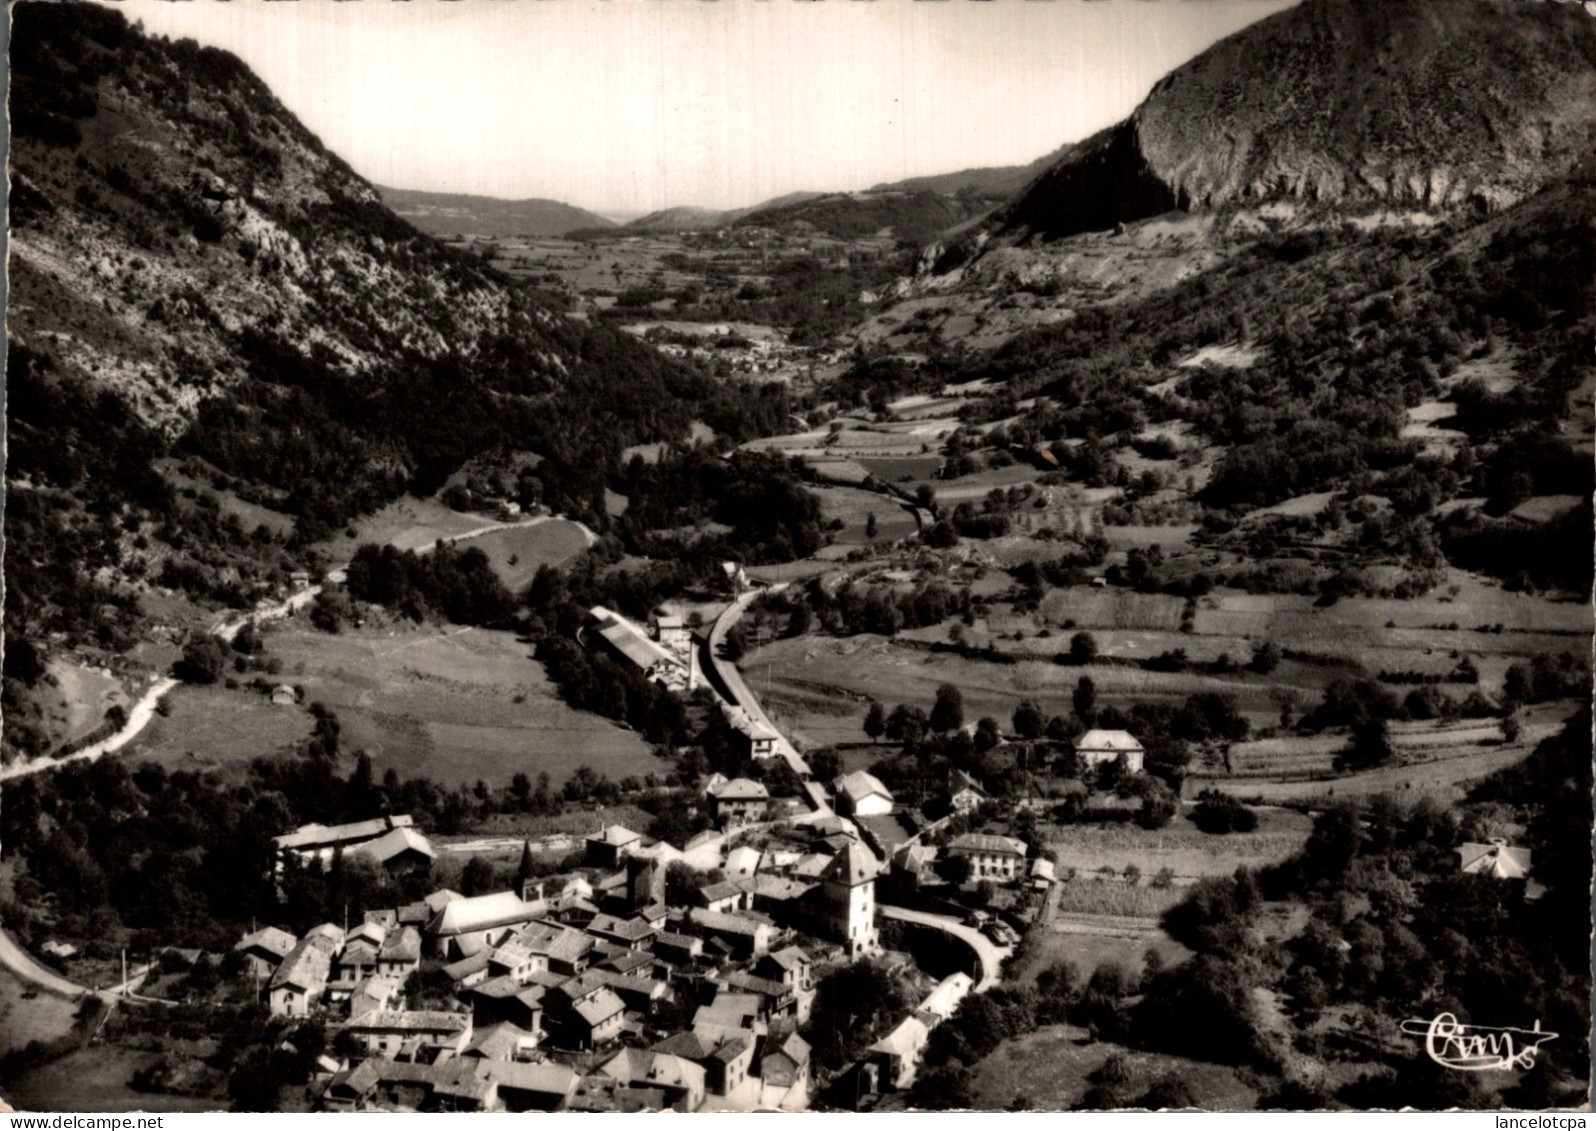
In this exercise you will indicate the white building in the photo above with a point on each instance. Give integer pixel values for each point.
(990, 857)
(1097, 747)
(861, 794)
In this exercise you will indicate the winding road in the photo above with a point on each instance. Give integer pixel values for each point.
(29, 969)
(226, 629)
(987, 953)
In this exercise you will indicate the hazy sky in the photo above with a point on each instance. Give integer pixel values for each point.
(641, 104)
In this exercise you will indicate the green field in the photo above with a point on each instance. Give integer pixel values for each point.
(853, 507)
(1050, 1067)
(96, 1079)
(1186, 850)
(29, 1014)
(452, 704)
(517, 553)
(211, 726)
(408, 524)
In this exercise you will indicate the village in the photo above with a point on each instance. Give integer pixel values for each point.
(651, 976)
(563, 993)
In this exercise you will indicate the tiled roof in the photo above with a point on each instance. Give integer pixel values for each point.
(413, 1021)
(306, 966)
(482, 912)
(861, 784)
(742, 789)
(724, 923)
(632, 930)
(986, 843)
(1115, 740)
(272, 940)
(326, 836)
(600, 1007)
(680, 942)
(500, 1041)
(497, 988)
(544, 1079)
(403, 945)
(726, 889)
(394, 843)
(628, 961)
(789, 958)
(752, 983)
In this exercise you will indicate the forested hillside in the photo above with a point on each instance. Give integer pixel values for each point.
(193, 274)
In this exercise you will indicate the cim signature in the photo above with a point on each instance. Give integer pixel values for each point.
(1478, 1048)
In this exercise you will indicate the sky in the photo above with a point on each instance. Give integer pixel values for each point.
(635, 105)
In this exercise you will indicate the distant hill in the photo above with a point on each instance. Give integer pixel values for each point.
(998, 182)
(682, 219)
(1440, 104)
(912, 216)
(686, 218)
(443, 214)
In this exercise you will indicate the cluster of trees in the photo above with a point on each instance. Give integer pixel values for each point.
(854, 608)
(593, 682)
(853, 1007)
(758, 495)
(457, 584)
(98, 504)
(1099, 1003)
(933, 742)
(1396, 930)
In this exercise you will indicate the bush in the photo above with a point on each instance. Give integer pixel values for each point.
(204, 660)
(1220, 813)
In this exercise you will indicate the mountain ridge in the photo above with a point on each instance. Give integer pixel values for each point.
(442, 213)
(1434, 103)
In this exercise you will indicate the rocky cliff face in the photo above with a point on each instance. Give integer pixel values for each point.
(1437, 104)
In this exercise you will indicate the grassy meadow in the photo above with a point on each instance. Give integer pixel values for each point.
(449, 703)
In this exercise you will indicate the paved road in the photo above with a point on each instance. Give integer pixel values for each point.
(989, 954)
(26, 967)
(731, 680)
(29, 969)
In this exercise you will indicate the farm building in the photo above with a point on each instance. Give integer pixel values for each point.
(1495, 859)
(990, 857)
(284, 696)
(397, 850)
(630, 644)
(1097, 747)
(314, 841)
(861, 794)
